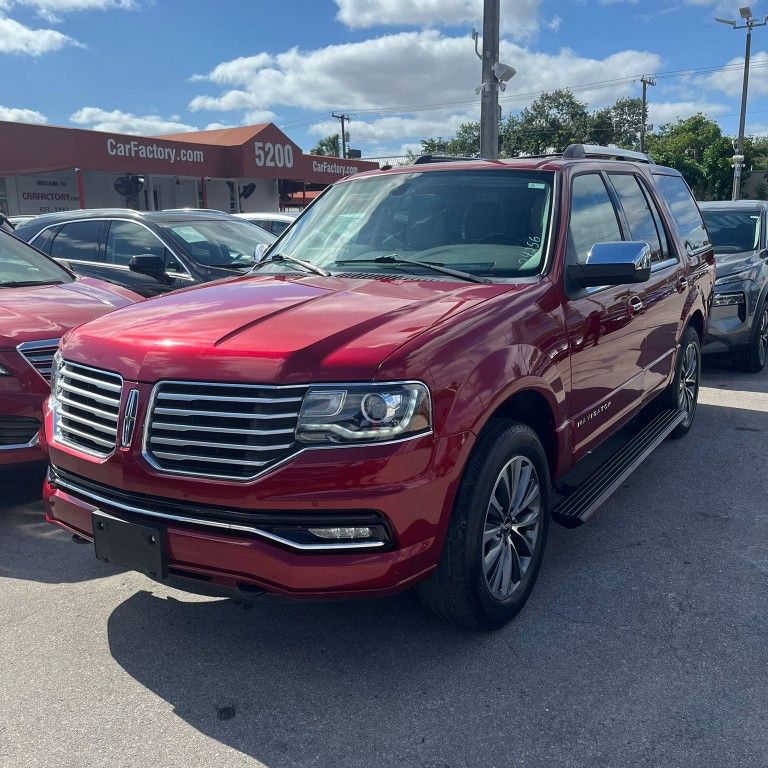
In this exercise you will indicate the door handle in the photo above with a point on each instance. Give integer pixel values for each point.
(637, 304)
(682, 284)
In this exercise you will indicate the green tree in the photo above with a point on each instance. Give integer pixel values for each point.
(697, 148)
(466, 142)
(627, 116)
(329, 146)
(555, 120)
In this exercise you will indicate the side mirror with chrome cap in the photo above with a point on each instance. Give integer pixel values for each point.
(618, 263)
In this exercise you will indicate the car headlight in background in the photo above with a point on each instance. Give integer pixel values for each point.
(364, 413)
(729, 299)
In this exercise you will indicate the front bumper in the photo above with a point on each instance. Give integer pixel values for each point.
(21, 399)
(731, 326)
(410, 487)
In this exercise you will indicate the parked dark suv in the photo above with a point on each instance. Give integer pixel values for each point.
(396, 394)
(152, 252)
(739, 322)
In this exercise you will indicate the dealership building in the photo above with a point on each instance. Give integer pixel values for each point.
(249, 168)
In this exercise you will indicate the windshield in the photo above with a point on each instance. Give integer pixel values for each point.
(491, 223)
(220, 243)
(733, 232)
(20, 264)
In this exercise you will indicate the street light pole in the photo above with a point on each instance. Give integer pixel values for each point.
(750, 22)
(489, 93)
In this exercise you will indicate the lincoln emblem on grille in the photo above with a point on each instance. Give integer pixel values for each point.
(129, 418)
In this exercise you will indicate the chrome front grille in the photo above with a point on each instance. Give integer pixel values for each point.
(232, 431)
(88, 408)
(39, 354)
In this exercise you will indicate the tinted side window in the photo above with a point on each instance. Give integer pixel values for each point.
(278, 227)
(593, 217)
(77, 241)
(44, 239)
(642, 226)
(685, 212)
(126, 240)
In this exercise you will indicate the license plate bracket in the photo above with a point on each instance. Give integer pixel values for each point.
(130, 545)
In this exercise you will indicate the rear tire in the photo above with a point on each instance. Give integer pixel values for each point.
(683, 392)
(754, 357)
(497, 533)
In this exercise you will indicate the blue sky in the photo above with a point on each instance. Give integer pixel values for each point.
(404, 69)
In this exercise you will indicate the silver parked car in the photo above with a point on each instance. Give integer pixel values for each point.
(738, 324)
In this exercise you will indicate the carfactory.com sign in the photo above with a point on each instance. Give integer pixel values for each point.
(154, 151)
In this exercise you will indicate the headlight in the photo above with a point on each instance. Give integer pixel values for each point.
(364, 413)
(736, 277)
(729, 299)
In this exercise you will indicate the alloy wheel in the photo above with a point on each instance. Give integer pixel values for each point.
(689, 381)
(511, 529)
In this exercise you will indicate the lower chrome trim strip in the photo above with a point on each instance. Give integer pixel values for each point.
(88, 495)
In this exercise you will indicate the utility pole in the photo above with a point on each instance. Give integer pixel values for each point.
(646, 80)
(344, 119)
(489, 90)
(750, 22)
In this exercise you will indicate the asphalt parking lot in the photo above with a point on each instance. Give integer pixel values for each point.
(643, 643)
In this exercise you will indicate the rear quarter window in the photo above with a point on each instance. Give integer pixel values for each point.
(685, 212)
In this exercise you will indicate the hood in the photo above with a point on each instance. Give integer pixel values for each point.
(49, 311)
(733, 263)
(276, 329)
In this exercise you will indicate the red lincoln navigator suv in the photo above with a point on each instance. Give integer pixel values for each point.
(389, 398)
(39, 301)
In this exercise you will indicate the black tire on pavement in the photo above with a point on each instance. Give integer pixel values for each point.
(497, 533)
(754, 357)
(683, 391)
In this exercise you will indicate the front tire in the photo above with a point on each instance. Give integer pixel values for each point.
(683, 393)
(754, 357)
(497, 533)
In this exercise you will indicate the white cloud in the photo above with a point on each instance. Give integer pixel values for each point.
(236, 71)
(519, 18)
(385, 129)
(18, 115)
(661, 112)
(729, 80)
(50, 9)
(117, 121)
(404, 71)
(17, 38)
(554, 23)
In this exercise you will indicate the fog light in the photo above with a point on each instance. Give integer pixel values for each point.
(729, 299)
(363, 532)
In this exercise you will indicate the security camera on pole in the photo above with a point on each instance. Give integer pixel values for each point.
(495, 76)
(750, 22)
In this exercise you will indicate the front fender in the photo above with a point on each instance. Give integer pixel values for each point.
(499, 376)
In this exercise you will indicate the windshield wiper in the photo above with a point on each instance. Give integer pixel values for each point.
(396, 258)
(278, 257)
(28, 283)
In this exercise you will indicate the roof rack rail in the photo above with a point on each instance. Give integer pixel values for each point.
(423, 159)
(577, 151)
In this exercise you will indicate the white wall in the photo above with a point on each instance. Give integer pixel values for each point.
(264, 197)
(100, 191)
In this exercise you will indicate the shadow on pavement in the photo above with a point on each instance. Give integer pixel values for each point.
(34, 550)
(627, 653)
